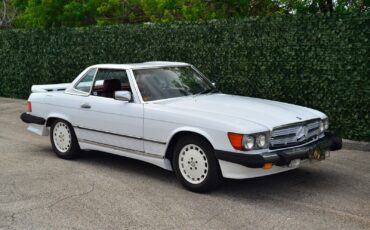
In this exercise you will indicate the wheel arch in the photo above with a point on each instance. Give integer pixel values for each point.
(54, 116)
(176, 135)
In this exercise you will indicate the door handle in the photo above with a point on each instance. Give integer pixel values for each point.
(85, 106)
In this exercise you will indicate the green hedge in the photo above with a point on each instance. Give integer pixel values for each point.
(315, 61)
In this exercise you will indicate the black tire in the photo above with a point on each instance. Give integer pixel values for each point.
(336, 143)
(72, 150)
(213, 177)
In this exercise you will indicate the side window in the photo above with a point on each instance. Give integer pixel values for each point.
(107, 81)
(86, 82)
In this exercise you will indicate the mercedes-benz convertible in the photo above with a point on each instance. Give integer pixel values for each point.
(170, 115)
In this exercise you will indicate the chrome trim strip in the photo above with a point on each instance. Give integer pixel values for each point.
(121, 148)
(296, 123)
(121, 135)
(159, 66)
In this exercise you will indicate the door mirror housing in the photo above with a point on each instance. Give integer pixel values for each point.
(123, 95)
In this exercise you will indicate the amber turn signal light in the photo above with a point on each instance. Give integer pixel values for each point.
(267, 165)
(236, 140)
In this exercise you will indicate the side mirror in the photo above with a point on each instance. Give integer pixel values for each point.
(122, 95)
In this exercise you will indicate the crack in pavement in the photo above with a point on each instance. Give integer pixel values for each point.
(71, 196)
(213, 217)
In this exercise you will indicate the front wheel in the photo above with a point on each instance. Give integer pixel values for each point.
(195, 165)
(63, 140)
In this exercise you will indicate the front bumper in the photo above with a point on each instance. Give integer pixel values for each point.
(285, 156)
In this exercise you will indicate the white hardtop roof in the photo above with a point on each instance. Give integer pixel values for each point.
(141, 65)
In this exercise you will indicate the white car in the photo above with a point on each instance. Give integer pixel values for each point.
(170, 115)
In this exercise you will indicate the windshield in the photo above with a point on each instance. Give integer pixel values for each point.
(169, 82)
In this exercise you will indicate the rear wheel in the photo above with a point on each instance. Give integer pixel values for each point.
(63, 140)
(195, 165)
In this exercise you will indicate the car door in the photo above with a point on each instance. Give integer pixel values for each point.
(108, 122)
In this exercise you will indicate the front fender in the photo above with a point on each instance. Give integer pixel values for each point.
(196, 130)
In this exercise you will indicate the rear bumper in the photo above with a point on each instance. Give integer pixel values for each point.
(283, 157)
(31, 119)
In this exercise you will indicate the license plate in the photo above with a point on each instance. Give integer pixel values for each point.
(316, 154)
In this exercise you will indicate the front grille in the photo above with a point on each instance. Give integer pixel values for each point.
(294, 134)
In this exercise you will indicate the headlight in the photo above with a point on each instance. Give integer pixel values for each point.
(248, 142)
(324, 125)
(261, 140)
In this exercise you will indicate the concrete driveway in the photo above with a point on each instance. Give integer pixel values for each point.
(103, 191)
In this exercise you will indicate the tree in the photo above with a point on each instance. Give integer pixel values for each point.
(190, 10)
(325, 6)
(120, 11)
(7, 14)
(56, 13)
(70, 13)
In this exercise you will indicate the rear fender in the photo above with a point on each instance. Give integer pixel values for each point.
(57, 116)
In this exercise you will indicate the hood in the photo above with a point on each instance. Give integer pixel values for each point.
(267, 113)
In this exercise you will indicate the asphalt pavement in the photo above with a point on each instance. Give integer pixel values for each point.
(104, 191)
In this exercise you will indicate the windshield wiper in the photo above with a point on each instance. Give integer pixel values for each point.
(210, 90)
